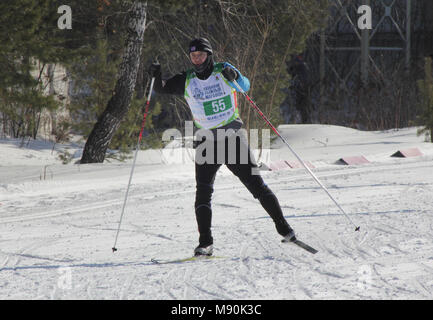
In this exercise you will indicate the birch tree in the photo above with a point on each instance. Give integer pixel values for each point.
(118, 106)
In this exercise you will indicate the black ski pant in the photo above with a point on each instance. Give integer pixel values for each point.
(244, 168)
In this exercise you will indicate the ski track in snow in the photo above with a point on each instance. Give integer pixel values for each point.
(56, 235)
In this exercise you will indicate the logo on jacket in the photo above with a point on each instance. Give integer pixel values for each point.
(197, 93)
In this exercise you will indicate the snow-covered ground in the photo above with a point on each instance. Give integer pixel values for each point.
(58, 224)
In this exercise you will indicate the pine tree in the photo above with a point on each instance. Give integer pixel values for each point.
(27, 41)
(93, 80)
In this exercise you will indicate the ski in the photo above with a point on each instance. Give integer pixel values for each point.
(301, 244)
(182, 260)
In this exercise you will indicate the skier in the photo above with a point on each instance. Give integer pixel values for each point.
(211, 95)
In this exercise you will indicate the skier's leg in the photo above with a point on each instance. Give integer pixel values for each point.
(205, 176)
(270, 203)
(260, 190)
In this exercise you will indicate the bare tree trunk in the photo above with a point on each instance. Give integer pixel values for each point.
(118, 106)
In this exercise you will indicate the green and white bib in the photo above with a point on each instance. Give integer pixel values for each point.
(213, 101)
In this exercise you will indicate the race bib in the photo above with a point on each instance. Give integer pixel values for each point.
(217, 106)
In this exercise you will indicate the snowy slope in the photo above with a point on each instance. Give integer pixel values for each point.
(58, 224)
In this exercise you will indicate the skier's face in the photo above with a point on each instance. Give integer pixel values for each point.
(198, 57)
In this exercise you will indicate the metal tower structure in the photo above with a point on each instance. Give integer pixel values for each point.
(348, 53)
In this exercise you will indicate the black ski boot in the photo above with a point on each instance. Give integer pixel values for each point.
(290, 237)
(205, 247)
(203, 251)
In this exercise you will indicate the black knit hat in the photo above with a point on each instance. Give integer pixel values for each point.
(200, 44)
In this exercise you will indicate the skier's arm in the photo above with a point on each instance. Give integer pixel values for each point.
(174, 85)
(243, 81)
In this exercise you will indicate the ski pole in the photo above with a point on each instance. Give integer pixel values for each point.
(135, 159)
(296, 155)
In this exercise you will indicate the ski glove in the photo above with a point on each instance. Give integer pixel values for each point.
(230, 74)
(154, 69)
